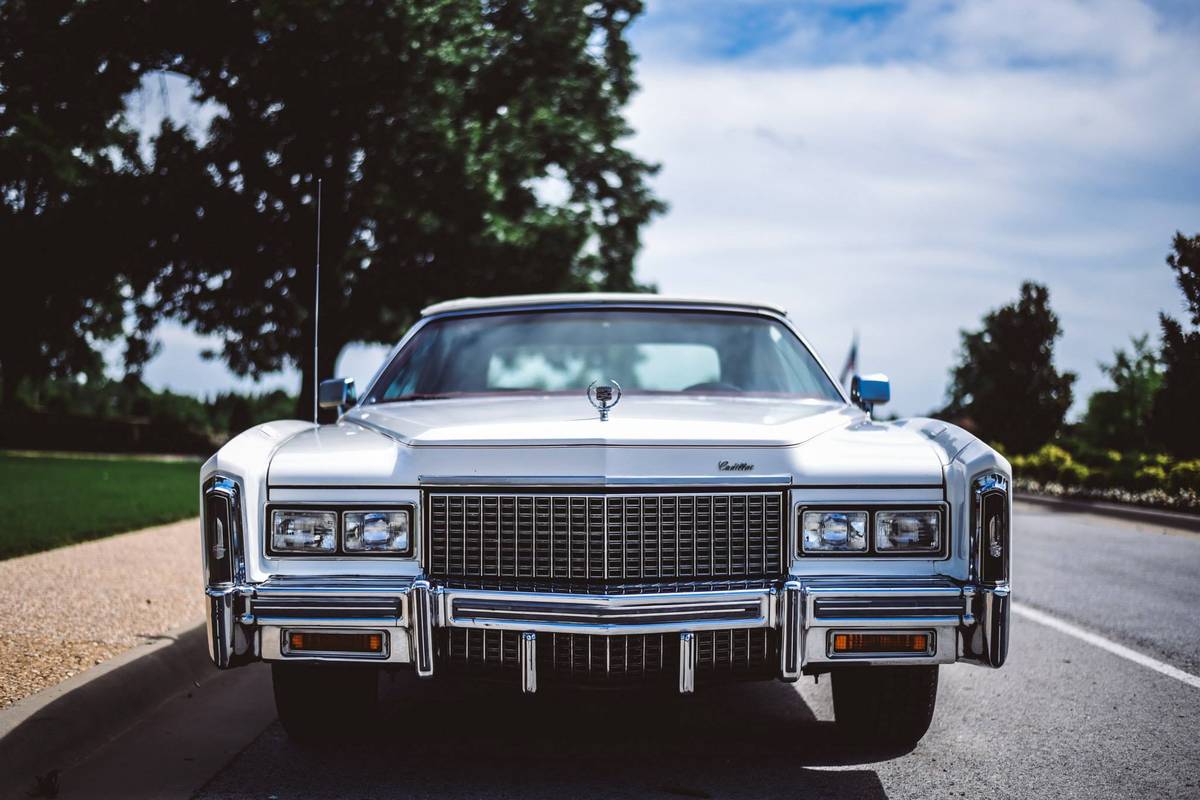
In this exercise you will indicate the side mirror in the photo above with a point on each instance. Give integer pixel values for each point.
(337, 393)
(868, 391)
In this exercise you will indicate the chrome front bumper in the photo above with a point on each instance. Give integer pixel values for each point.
(969, 623)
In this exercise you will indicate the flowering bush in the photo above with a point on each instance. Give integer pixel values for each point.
(1138, 478)
(1186, 500)
(1184, 476)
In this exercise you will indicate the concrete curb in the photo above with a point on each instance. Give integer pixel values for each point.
(57, 727)
(1152, 516)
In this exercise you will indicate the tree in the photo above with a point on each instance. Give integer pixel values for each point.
(1006, 386)
(1119, 418)
(465, 147)
(69, 197)
(1174, 416)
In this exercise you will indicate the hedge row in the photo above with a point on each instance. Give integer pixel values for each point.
(1139, 478)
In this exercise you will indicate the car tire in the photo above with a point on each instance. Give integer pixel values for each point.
(319, 700)
(889, 706)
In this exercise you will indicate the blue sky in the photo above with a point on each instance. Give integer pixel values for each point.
(898, 168)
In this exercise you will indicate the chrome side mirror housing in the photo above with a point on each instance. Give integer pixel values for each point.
(868, 391)
(337, 393)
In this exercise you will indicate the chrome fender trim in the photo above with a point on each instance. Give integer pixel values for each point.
(984, 641)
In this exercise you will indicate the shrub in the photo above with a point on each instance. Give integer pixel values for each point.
(1184, 476)
(1154, 460)
(1072, 474)
(1053, 463)
(1098, 478)
(1150, 477)
(1019, 464)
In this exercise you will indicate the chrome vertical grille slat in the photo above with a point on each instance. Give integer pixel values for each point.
(615, 538)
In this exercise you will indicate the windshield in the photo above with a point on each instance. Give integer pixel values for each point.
(647, 351)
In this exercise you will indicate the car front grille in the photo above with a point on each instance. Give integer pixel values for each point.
(605, 537)
(595, 659)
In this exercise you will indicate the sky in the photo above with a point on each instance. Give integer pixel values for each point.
(898, 169)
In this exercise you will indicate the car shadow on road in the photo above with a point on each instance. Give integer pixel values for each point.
(453, 740)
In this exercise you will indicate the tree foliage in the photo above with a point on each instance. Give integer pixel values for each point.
(465, 147)
(1174, 415)
(70, 199)
(1006, 387)
(1119, 418)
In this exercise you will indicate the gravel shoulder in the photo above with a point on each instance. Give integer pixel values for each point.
(69, 609)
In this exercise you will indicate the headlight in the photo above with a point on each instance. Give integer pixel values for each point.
(910, 531)
(376, 531)
(304, 531)
(834, 531)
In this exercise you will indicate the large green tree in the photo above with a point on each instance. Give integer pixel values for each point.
(1174, 422)
(1119, 418)
(1005, 385)
(465, 147)
(70, 199)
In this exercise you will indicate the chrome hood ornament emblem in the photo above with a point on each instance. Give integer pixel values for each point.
(604, 394)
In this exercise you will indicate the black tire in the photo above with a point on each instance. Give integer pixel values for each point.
(889, 706)
(319, 700)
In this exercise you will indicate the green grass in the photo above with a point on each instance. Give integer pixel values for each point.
(50, 501)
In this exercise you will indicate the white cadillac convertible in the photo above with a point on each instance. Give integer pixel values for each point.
(609, 490)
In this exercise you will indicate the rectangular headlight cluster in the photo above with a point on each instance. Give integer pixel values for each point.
(330, 532)
(882, 531)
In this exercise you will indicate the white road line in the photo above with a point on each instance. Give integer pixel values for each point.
(1106, 644)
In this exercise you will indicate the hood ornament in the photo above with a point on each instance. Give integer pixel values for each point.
(604, 394)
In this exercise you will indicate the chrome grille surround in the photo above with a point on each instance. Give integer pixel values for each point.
(605, 537)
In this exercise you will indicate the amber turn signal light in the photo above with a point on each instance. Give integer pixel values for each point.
(855, 643)
(316, 642)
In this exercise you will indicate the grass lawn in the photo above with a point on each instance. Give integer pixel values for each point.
(51, 500)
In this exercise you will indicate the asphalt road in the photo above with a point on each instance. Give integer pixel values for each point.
(1063, 719)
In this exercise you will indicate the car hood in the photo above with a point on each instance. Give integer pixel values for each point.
(645, 438)
(637, 420)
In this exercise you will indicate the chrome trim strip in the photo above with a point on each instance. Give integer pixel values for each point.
(332, 586)
(981, 486)
(420, 595)
(316, 621)
(535, 482)
(601, 614)
(232, 641)
(985, 642)
(886, 621)
(219, 620)
(682, 612)
(687, 662)
(791, 633)
(527, 660)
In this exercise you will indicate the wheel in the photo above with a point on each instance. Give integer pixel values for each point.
(317, 700)
(891, 706)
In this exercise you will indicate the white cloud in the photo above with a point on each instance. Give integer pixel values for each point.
(904, 194)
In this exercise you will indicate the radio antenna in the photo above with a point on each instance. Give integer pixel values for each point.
(317, 309)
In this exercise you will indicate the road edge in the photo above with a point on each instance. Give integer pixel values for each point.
(1168, 519)
(61, 725)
